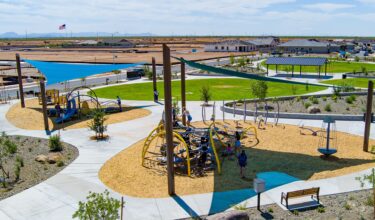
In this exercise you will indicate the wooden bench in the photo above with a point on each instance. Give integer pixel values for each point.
(302, 193)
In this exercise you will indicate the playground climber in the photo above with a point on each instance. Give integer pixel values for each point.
(119, 103)
(242, 162)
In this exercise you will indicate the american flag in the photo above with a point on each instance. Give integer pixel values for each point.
(62, 27)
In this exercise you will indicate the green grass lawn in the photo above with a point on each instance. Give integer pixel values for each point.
(356, 82)
(221, 89)
(333, 67)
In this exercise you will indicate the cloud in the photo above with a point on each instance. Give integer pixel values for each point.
(328, 7)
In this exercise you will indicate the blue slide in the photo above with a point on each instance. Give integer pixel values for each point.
(70, 112)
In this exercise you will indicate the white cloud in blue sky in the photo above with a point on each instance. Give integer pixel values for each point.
(187, 17)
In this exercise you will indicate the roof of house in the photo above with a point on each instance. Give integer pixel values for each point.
(116, 41)
(306, 43)
(297, 61)
(232, 42)
(262, 41)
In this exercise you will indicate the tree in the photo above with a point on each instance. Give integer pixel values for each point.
(259, 89)
(356, 58)
(99, 206)
(205, 94)
(97, 123)
(116, 72)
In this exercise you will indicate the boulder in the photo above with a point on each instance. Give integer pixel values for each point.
(313, 109)
(232, 215)
(54, 157)
(41, 158)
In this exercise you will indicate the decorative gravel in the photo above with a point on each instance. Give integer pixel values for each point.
(34, 172)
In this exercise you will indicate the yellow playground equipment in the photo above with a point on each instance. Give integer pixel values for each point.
(154, 152)
(85, 108)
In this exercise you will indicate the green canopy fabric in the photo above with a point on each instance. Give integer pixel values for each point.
(240, 74)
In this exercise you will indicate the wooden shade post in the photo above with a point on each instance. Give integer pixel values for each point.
(20, 84)
(183, 92)
(168, 118)
(44, 104)
(368, 116)
(155, 88)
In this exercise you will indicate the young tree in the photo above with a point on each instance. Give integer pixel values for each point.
(259, 89)
(97, 123)
(99, 206)
(205, 94)
(7, 149)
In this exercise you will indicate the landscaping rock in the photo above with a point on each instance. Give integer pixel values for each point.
(54, 157)
(313, 109)
(41, 158)
(232, 215)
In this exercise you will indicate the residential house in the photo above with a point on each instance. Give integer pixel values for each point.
(308, 46)
(230, 46)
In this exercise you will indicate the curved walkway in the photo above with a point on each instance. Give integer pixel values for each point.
(58, 197)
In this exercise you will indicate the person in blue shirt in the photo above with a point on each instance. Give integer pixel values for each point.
(242, 162)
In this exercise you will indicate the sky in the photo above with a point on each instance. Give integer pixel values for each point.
(192, 17)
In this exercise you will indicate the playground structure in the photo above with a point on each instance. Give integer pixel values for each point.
(195, 150)
(78, 104)
(328, 137)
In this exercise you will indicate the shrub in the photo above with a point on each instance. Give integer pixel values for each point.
(328, 108)
(270, 210)
(60, 163)
(11, 146)
(369, 201)
(321, 209)
(98, 206)
(259, 89)
(307, 105)
(347, 206)
(349, 100)
(205, 94)
(298, 98)
(19, 160)
(324, 99)
(314, 100)
(334, 98)
(295, 212)
(17, 171)
(55, 143)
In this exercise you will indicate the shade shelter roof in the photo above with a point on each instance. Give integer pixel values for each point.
(59, 72)
(297, 61)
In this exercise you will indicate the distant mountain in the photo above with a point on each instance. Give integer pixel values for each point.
(69, 34)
